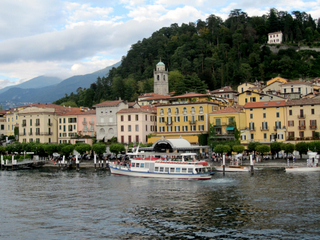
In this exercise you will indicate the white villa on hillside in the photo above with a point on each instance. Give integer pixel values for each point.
(275, 38)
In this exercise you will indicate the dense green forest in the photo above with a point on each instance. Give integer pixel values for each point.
(209, 54)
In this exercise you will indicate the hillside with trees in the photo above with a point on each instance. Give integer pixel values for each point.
(212, 53)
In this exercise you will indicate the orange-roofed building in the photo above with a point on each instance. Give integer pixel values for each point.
(39, 122)
(265, 122)
(225, 121)
(183, 119)
(135, 124)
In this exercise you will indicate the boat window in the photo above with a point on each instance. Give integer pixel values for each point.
(156, 169)
(166, 169)
(178, 169)
(161, 169)
(190, 170)
(137, 164)
(133, 164)
(184, 170)
(142, 165)
(146, 165)
(172, 169)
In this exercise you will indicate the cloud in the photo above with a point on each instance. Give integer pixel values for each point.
(5, 82)
(26, 18)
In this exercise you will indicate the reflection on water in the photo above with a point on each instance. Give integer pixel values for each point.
(88, 205)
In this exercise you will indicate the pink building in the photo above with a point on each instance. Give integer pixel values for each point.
(135, 124)
(86, 126)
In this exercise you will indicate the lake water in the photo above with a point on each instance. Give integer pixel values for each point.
(52, 204)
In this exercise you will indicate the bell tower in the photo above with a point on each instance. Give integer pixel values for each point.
(160, 82)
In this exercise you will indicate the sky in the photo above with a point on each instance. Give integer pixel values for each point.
(66, 38)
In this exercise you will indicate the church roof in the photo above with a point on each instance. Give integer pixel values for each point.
(160, 63)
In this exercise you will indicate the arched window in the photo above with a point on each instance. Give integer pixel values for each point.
(161, 111)
(201, 109)
(169, 110)
(192, 110)
(158, 77)
(164, 77)
(184, 110)
(177, 111)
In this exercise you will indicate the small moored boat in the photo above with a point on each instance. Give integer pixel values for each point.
(163, 165)
(312, 164)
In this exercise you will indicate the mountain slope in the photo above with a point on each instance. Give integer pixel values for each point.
(18, 96)
(37, 82)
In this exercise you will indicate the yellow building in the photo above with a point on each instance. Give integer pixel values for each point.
(265, 122)
(12, 121)
(225, 120)
(183, 119)
(38, 123)
(277, 79)
(250, 96)
(302, 118)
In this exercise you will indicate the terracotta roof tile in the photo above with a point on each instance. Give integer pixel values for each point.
(137, 110)
(303, 101)
(297, 82)
(279, 103)
(226, 89)
(190, 95)
(108, 103)
(232, 109)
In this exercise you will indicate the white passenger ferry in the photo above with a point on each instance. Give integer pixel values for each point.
(163, 165)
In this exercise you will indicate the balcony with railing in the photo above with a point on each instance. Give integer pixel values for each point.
(279, 128)
(22, 134)
(252, 129)
(264, 129)
(49, 124)
(302, 127)
(91, 122)
(193, 122)
(313, 127)
(84, 122)
(24, 124)
(30, 133)
(301, 116)
(168, 123)
(37, 133)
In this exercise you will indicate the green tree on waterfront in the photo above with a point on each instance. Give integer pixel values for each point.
(302, 148)
(116, 148)
(262, 149)
(275, 148)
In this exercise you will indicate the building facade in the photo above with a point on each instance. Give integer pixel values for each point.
(265, 122)
(106, 117)
(275, 38)
(135, 124)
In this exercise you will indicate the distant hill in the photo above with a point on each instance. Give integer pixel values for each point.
(37, 82)
(17, 96)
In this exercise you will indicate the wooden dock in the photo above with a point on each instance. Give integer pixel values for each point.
(25, 164)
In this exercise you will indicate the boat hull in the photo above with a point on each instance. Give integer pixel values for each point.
(302, 169)
(126, 172)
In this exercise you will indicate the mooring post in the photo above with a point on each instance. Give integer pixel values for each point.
(95, 162)
(77, 163)
(102, 163)
(99, 163)
(12, 161)
(224, 163)
(251, 164)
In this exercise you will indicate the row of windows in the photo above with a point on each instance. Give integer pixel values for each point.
(177, 119)
(302, 112)
(264, 115)
(37, 132)
(37, 140)
(164, 169)
(70, 127)
(176, 111)
(136, 117)
(302, 123)
(130, 138)
(184, 128)
(24, 122)
(265, 136)
(70, 120)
